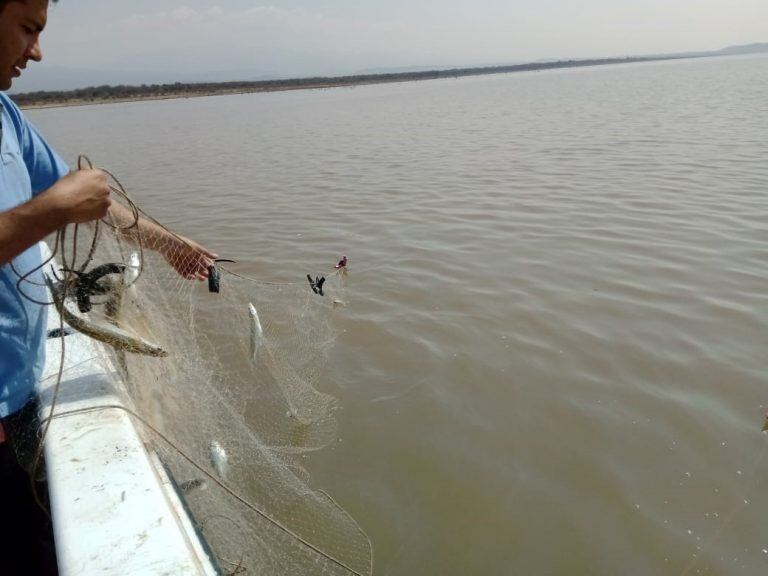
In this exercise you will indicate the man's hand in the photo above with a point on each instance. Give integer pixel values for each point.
(79, 197)
(188, 258)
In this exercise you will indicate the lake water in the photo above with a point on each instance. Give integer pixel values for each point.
(553, 360)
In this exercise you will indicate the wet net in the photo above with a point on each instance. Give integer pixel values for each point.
(222, 378)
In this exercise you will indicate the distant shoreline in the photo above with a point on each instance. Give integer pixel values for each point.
(172, 94)
(119, 94)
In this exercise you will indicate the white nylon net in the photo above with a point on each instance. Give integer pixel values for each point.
(233, 405)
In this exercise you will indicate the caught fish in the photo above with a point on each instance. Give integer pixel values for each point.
(257, 334)
(219, 459)
(131, 273)
(108, 333)
(132, 269)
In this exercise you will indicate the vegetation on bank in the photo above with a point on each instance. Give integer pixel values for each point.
(121, 93)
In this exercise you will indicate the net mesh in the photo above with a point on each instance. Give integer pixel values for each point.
(232, 404)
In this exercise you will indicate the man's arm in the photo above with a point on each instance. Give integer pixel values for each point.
(188, 258)
(78, 197)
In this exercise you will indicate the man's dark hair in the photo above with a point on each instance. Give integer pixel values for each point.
(4, 2)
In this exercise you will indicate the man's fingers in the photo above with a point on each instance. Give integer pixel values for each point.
(190, 259)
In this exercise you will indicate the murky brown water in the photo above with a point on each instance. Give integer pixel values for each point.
(554, 357)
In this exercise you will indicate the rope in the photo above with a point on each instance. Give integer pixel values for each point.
(334, 272)
(70, 268)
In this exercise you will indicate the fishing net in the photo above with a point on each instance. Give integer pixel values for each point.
(229, 398)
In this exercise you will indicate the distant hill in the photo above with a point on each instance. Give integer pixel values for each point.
(744, 49)
(403, 69)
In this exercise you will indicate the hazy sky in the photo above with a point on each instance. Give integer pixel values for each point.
(232, 39)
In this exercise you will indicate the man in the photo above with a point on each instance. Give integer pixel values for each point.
(39, 195)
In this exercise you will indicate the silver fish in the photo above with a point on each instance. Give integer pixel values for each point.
(108, 333)
(132, 269)
(219, 459)
(257, 333)
(131, 274)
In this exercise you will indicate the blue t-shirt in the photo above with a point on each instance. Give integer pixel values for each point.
(28, 166)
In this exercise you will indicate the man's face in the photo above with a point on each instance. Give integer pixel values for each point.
(21, 22)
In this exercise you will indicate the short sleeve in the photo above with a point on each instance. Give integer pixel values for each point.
(44, 165)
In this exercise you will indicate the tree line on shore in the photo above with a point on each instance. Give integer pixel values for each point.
(148, 91)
